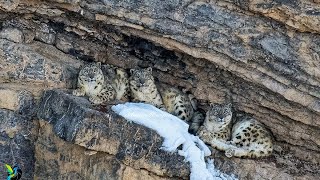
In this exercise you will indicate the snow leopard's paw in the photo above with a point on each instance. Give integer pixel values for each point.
(229, 152)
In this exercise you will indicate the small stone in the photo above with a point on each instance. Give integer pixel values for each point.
(89, 152)
(9, 99)
(20, 101)
(12, 34)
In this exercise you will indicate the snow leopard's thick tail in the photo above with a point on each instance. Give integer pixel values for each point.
(196, 122)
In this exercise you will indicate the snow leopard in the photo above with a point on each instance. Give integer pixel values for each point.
(143, 87)
(91, 82)
(248, 138)
(118, 78)
(198, 116)
(176, 102)
(217, 123)
(183, 105)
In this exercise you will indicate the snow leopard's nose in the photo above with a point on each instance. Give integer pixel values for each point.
(142, 81)
(91, 75)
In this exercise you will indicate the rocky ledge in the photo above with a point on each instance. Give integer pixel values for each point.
(109, 146)
(101, 131)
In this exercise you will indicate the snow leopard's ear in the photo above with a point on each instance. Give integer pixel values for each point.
(149, 69)
(215, 106)
(99, 64)
(229, 105)
(132, 71)
(81, 66)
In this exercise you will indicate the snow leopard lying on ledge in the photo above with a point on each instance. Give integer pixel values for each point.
(102, 86)
(105, 83)
(245, 138)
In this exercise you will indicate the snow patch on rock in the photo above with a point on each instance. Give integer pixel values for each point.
(175, 133)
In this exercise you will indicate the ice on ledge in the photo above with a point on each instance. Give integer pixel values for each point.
(175, 133)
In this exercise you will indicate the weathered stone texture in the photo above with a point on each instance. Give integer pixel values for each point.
(58, 159)
(74, 121)
(21, 101)
(298, 14)
(17, 138)
(32, 64)
(137, 147)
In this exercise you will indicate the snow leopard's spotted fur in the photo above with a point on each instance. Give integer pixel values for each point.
(182, 105)
(119, 80)
(249, 138)
(177, 102)
(143, 87)
(91, 82)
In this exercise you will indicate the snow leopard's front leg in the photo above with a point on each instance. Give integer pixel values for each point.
(79, 91)
(221, 144)
(105, 95)
(157, 101)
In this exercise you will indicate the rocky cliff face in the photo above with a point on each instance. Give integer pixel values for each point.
(261, 55)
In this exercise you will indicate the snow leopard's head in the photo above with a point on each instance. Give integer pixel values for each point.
(218, 116)
(91, 74)
(141, 77)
